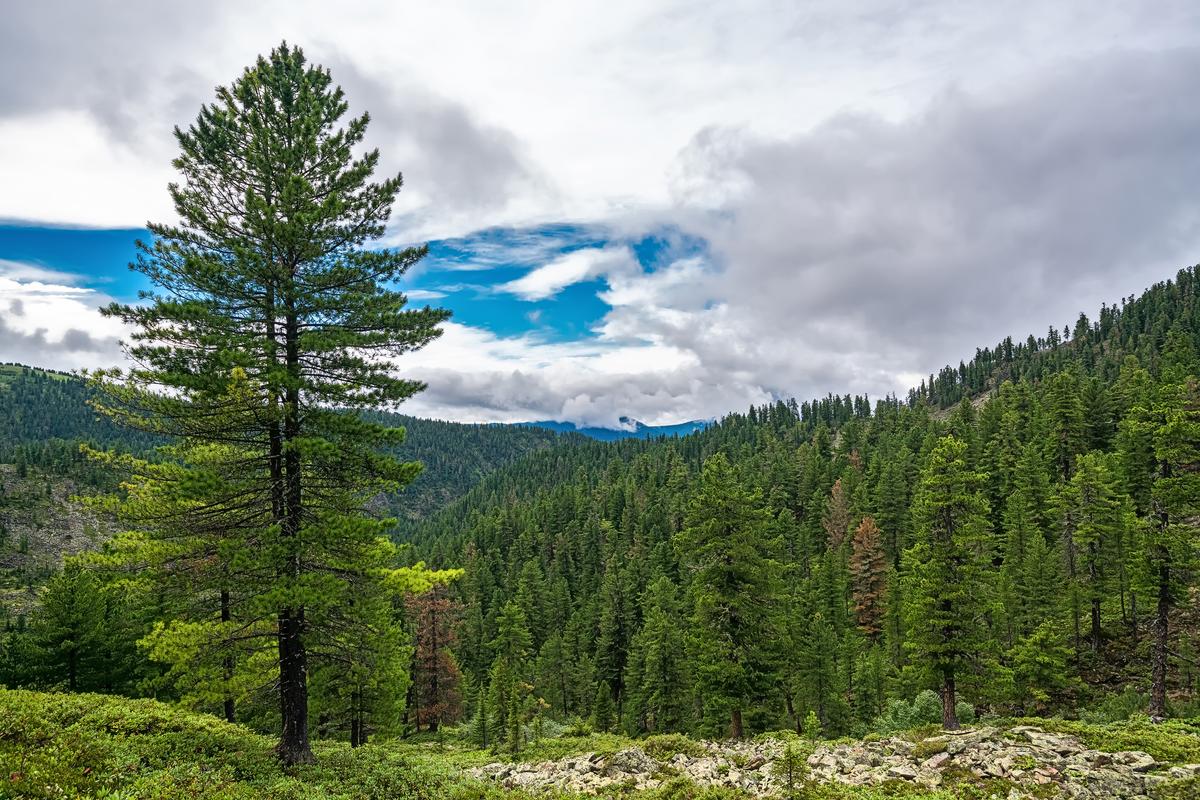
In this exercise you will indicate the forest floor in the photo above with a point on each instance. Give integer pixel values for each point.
(75, 746)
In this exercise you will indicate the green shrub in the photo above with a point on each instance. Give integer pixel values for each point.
(577, 727)
(77, 746)
(1176, 741)
(927, 708)
(965, 712)
(664, 746)
(1116, 707)
(928, 747)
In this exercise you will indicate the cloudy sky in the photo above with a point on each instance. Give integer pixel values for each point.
(664, 210)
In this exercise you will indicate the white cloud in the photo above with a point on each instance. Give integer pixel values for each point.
(515, 114)
(423, 294)
(24, 271)
(54, 325)
(883, 187)
(476, 375)
(571, 268)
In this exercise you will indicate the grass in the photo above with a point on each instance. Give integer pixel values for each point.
(94, 746)
(451, 748)
(1175, 741)
(111, 748)
(9, 372)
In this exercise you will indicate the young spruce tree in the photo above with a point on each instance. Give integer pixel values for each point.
(946, 571)
(726, 543)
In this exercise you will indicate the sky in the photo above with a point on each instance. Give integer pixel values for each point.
(657, 210)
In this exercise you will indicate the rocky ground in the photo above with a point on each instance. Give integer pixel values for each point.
(40, 523)
(1022, 762)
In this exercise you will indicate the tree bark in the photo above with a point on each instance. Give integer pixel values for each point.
(949, 700)
(1158, 661)
(230, 710)
(1094, 580)
(355, 719)
(293, 691)
(735, 724)
(293, 659)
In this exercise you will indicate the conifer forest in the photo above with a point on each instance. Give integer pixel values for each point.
(234, 566)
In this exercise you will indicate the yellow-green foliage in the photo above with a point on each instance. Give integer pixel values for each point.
(95, 746)
(1175, 740)
(665, 745)
(927, 748)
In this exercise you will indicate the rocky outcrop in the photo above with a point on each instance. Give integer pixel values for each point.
(741, 765)
(1032, 761)
(1023, 762)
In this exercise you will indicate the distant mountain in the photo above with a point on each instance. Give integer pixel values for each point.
(631, 429)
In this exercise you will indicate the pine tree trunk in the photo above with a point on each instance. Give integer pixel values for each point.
(1158, 662)
(735, 724)
(1094, 580)
(293, 691)
(1133, 616)
(949, 700)
(293, 659)
(355, 719)
(230, 710)
(434, 687)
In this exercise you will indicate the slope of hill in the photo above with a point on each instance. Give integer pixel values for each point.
(44, 415)
(87, 745)
(596, 548)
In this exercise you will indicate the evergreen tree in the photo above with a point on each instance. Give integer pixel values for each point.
(267, 274)
(507, 688)
(69, 633)
(734, 586)
(947, 570)
(868, 571)
(604, 713)
(1170, 530)
(660, 691)
(1040, 667)
(479, 724)
(1091, 501)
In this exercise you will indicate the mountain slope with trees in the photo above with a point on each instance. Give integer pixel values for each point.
(1018, 534)
(45, 416)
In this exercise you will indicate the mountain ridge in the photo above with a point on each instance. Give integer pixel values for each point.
(636, 430)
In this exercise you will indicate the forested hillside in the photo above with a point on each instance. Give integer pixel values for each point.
(1019, 536)
(44, 416)
(819, 564)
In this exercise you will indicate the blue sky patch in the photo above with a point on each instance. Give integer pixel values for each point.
(463, 274)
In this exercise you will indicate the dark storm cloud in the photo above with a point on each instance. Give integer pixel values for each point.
(111, 59)
(881, 248)
(75, 348)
